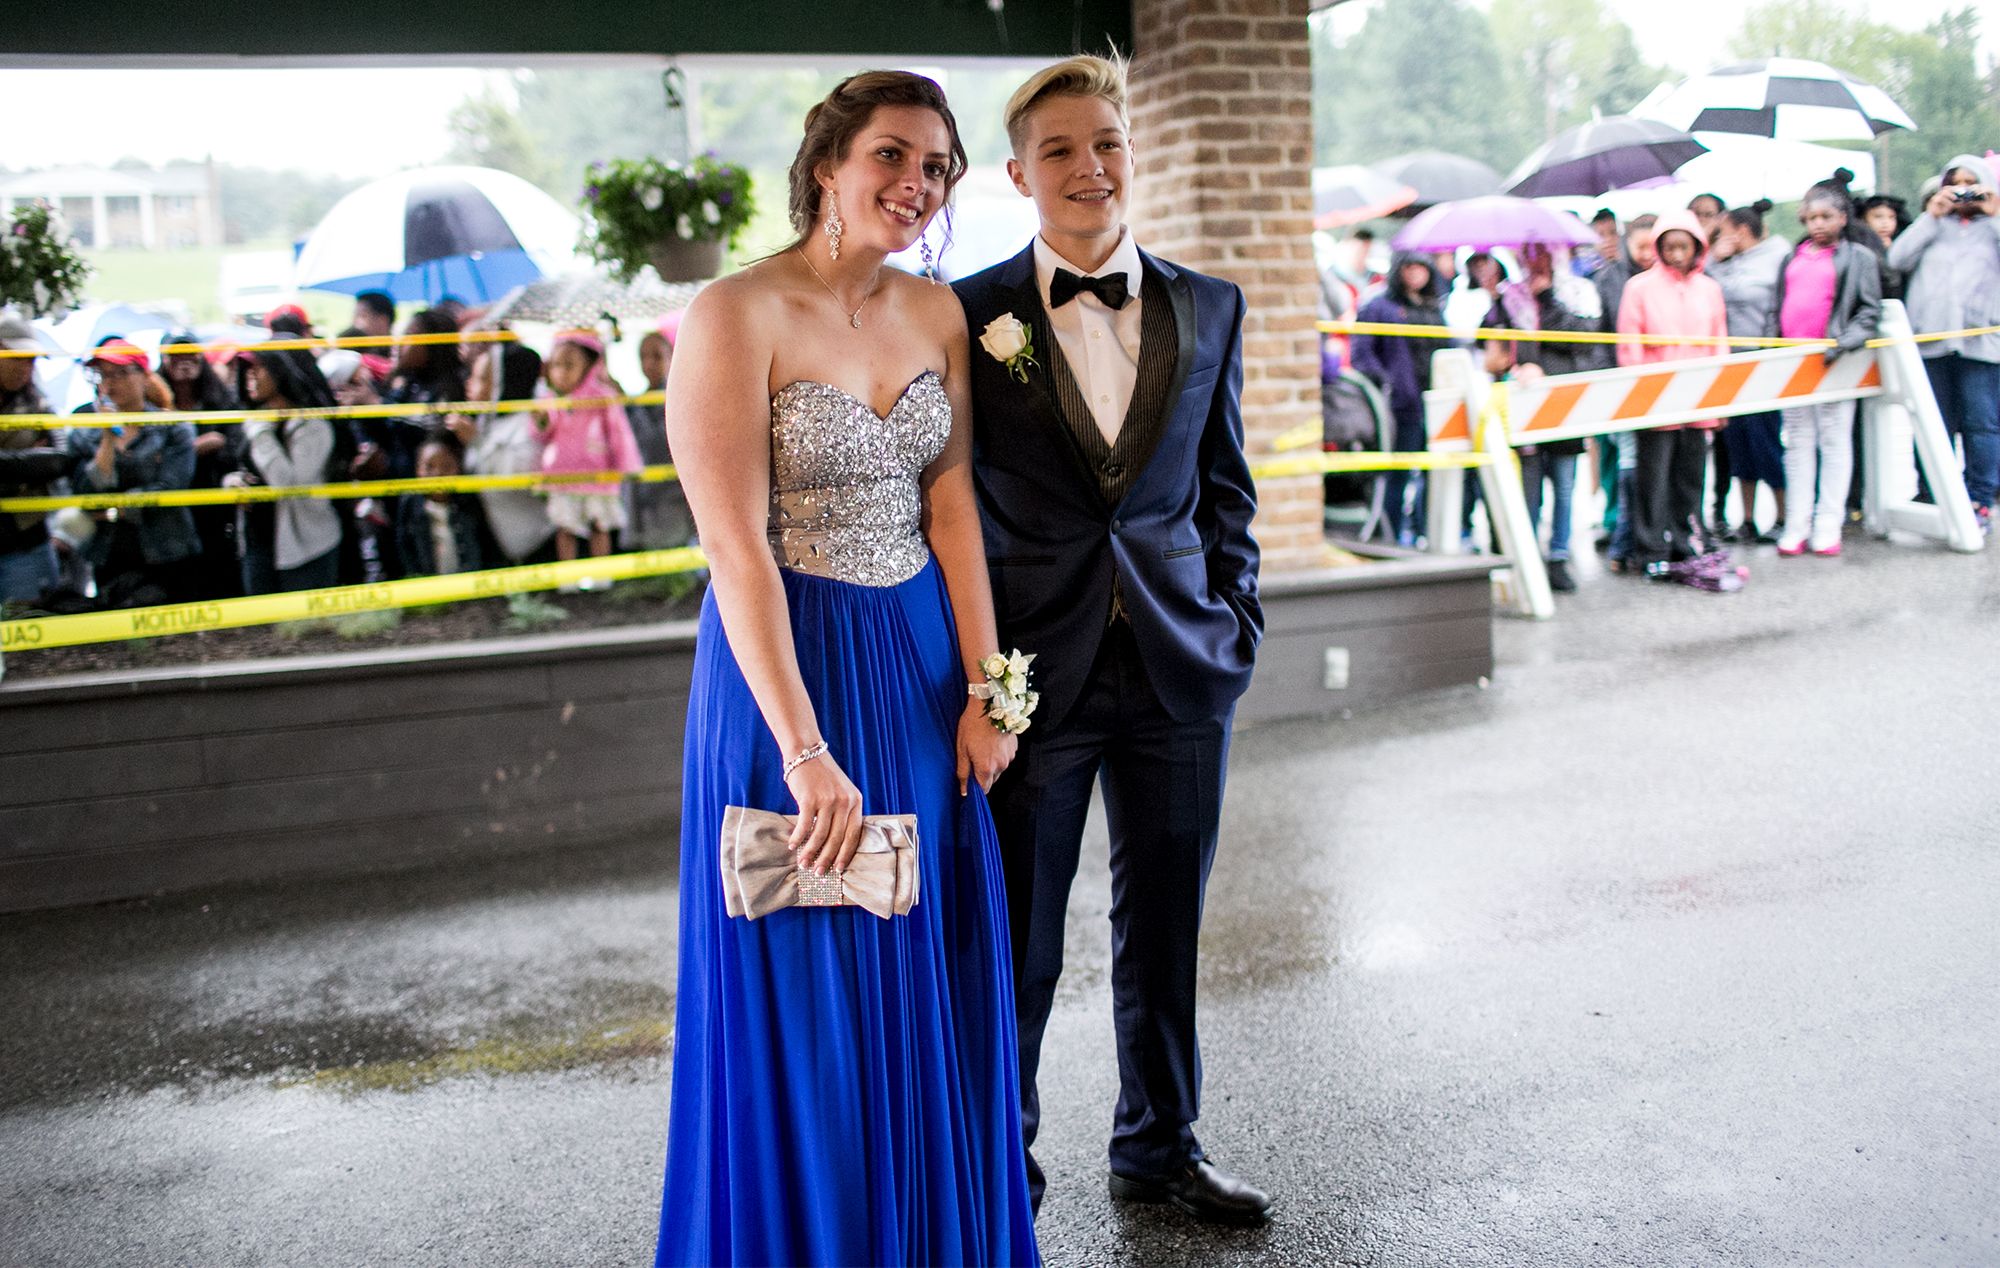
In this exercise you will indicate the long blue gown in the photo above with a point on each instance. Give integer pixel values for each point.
(845, 1087)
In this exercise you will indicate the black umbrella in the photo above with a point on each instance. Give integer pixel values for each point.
(1440, 178)
(1602, 155)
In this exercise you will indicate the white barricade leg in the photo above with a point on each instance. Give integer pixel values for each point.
(1455, 382)
(1507, 509)
(1907, 391)
(1444, 509)
(1888, 468)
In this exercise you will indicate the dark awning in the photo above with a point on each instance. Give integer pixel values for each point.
(257, 31)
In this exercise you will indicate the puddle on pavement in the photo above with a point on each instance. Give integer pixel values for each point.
(347, 1052)
(1256, 949)
(627, 1041)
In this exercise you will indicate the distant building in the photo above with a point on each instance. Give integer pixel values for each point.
(171, 210)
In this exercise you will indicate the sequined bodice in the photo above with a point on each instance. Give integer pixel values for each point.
(845, 502)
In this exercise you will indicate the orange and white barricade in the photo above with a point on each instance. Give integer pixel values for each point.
(1465, 412)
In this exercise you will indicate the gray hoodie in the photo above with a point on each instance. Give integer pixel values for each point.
(1953, 269)
(1750, 283)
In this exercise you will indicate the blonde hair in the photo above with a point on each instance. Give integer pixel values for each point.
(1082, 76)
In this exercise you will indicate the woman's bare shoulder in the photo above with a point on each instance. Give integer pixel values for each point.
(934, 306)
(740, 302)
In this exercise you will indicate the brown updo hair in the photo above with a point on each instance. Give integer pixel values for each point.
(832, 125)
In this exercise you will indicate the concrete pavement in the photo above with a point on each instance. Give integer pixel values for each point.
(1676, 946)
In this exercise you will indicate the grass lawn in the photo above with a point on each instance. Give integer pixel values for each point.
(193, 277)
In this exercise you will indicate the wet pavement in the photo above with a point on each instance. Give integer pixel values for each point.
(1678, 945)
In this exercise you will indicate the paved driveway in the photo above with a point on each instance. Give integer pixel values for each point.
(1679, 945)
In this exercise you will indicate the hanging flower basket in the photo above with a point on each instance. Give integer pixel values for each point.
(680, 218)
(679, 260)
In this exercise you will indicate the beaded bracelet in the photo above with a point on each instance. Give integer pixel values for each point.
(805, 755)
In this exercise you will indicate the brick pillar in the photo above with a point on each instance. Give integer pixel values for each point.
(1221, 98)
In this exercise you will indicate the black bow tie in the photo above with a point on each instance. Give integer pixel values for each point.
(1066, 286)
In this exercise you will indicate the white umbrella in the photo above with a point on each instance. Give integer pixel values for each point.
(83, 329)
(469, 232)
(1779, 98)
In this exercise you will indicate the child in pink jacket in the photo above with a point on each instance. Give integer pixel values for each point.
(1674, 297)
(585, 438)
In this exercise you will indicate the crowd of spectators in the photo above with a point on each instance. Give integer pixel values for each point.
(77, 560)
(1711, 270)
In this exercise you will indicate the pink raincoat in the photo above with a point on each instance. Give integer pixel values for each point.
(589, 437)
(1660, 301)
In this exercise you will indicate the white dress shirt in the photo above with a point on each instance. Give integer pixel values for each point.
(1100, 344)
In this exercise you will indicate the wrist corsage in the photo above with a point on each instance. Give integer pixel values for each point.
(1005, 691)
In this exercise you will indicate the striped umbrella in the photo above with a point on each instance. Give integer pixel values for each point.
(1601, 155)
(1783, 98)
(469, 232)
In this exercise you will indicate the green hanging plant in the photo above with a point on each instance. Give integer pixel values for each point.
(634, 205)
(41, 271)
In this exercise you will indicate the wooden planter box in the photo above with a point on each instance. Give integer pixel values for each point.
(117, 786)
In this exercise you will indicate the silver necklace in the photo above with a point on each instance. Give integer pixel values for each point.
(853, 318)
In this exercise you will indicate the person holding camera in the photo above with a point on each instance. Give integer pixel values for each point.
(1950, 259)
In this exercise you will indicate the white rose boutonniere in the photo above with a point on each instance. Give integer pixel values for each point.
(1011, 342)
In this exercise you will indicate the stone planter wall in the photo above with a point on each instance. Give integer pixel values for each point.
(120, 786)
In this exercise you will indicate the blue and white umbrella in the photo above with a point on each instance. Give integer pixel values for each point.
(468, 232)
(1782, 98)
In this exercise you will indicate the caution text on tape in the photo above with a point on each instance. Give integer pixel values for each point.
(304, 605)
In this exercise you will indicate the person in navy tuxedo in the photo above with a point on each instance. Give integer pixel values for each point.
(1116, 501)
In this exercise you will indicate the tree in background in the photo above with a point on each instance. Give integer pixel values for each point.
(1568, 60)
(1933, 74)
(1441, 75)
(1418, 75)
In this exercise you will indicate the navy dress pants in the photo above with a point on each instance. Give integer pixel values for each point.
(1162, 785)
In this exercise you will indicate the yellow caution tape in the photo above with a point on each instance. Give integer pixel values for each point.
(311, 345)
(301, 605)
(161, 417)
(1310, 432)
(1414, 331)
(535, 481)
(1332, 463)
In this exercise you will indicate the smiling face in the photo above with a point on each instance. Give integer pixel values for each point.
(893, 179)
(1075, 160)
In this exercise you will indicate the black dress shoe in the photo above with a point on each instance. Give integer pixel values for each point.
(1203, 1190)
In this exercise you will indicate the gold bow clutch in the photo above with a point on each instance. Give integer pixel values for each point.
(760, 875)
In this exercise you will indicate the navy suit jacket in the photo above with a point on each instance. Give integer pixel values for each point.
(1178, 540)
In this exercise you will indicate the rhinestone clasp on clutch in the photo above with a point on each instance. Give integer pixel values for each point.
(821, 891)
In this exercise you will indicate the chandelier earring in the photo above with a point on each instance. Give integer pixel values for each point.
(834, 226)
(930, 265)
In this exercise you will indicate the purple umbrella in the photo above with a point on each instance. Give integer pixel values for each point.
(1494, 221)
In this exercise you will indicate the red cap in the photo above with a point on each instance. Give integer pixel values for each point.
(120, 352)
(288, 310)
